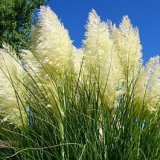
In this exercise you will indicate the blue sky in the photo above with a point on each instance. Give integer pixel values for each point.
(145, 14)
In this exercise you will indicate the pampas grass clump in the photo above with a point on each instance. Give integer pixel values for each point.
(96, 102)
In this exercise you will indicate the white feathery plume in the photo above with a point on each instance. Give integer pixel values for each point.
(30, 62)
(53, 51)
(34, 37)
(100, 58)
(147, 88)
(38, 80)
(12, 90)
(54, 46)
(127, 44)
(35, 75)
(77, 58)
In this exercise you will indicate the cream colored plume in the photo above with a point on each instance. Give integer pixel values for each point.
(147, 88)
(53, 45)
(78, 55)
(100, 59)
(52, 56)
(39, 81)
(12, 90)
(35, 74)
(127, 43)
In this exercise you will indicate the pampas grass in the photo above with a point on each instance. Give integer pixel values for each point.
(98, 102)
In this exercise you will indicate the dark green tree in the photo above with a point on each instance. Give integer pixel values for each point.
(16, 18)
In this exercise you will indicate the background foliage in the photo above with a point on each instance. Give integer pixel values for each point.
(16, 21)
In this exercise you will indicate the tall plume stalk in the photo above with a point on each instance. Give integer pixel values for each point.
(53, 51)
(101, 61)
(127, 45)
